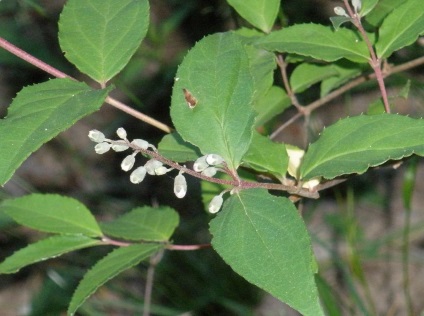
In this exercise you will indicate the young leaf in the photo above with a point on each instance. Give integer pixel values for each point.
(274, 102)
(107, 268)
(318, 41)
(100, 36)
(267, 156)
(39, 113)
(367, 6)
(263, 238)
(354, 144)
(400, 28)
(173, 147)
(306, 74)
(143, 223)
(44, 249)
(345, 70)
(259, 13)
(215, 113)
(52, 213)
(383, 7)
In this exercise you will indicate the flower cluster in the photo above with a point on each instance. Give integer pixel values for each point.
(207, 165)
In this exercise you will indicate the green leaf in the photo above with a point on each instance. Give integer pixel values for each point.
(345, 70)
(305, 75)
(173, 147)
(266, 156)
(143, 223)
(318, 41)
(337, 21)
(381, 10)
(259, 13)
(262, 65)
(100, 36)
(216, 73)
(400, 28)
(44, 249)
(354, 144)
(263, 238)
(367, 6)
(52, 213)
(107, 268)
(39, 113)
(274, 102)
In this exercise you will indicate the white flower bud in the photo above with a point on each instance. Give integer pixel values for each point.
(340, 11)
(151, 165)
(215, 204)
(138, 175)
(96, 136)
(128, 162)
(140, 143)
(160, 171)
(102, 148)
(200, 164)
(121, 133)
(214, 159)
(209, 171)
(120, 145)
(180, 186)
(357, 4)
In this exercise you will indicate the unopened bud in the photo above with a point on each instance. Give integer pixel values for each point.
(215, 204)
(209, 171)
(151, 165)
(120, 145)
(200, 164)
(340, 11)
(128, 162)
(357, 4)
(121, 133)
(180, 186)
(214, 159)
(160, 171)
(96, 136)
(138, 175)
(102, 148)
(140, 143)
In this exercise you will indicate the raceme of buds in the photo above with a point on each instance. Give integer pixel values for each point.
(200, 164)
(96, 136)
(102, 148)
(128, 162)
(151, 165)
(121, 133)
(213, 159)
(138, 175)
(340, 11)
(120, 145)
(357, 4)
(216, 203)
(180, 186)
(209, 171)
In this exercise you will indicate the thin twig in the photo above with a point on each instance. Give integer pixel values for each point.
(154, 261)
(59, 74)
(283, 70)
